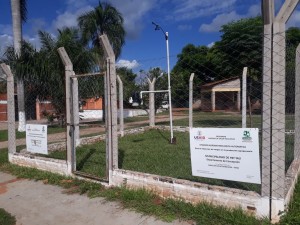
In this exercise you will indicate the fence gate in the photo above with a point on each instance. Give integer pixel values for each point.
(88, 126)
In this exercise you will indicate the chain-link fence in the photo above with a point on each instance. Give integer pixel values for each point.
(243, 81)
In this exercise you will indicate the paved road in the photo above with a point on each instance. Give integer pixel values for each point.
(34, 203)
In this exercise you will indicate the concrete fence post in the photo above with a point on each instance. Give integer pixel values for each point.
(191, 100)
(112, 129)
(10, 110)
(121, 107)
(75, 107)
(71, 160)
(268, 17)
(297, 105)
(244, 98)
(151, 102)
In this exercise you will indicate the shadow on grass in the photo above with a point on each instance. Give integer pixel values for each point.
(86, 158)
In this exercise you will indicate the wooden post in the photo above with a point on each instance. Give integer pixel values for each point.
(10, 110)
(112, 130)
(121, 107)
(191, 100)
(71, 160)
(151, 102)
(244, 98)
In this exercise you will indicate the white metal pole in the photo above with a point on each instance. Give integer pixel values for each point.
(169, 88)
(244, 98)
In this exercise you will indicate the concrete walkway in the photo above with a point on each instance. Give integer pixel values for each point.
(34, 203)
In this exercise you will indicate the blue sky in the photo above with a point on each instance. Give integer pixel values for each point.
(187, 21)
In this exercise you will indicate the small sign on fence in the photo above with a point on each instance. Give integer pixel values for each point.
(226, 153)
(36, 138)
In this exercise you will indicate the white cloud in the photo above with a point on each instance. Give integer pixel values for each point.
(184, 27)
(218, 21)
(224, 18)
(133, 13)
(5, 40)
(128, 64)
(69, 17)
(211, 44)
(191, 9)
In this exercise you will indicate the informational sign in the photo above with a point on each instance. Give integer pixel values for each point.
(36, 138)
(226, 153)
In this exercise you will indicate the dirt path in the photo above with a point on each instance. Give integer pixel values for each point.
(60, 137)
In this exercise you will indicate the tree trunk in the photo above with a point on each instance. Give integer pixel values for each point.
(17, 33)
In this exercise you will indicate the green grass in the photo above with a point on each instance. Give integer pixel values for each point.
(149, 152)
(140, 200)
(292, 217)
(6, 218)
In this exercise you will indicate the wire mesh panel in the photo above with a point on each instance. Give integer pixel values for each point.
(44, 106)
(90, 153)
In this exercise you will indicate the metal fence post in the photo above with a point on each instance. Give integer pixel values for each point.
(151, 102)
(112, 129)
(10, 110)
(71, 161)
(121, 107)
(191, 100)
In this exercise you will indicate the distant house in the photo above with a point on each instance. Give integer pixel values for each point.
(221, 95)
(3, 107)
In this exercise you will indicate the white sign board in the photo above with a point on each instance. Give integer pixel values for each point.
(225, 153)
(36, 138)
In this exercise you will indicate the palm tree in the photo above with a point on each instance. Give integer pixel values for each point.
(49, 79)
(103, 19)
(19, 13)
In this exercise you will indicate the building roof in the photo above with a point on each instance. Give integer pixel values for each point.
(218, 82)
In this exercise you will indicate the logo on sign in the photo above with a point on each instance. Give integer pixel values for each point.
(199, 136)
(247, 136)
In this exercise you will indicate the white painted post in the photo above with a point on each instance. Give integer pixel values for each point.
(213, 101)
(75, 107)
(151, 102)
(278, 108)
(244, 98)
(121, 107)
(112, 103)
(238, 101)
(191, 100)
(268, 16)
(10, 110)
(297, 105)
(71, 160)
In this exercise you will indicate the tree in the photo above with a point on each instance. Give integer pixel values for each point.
(19, 15)
(128, 78)
(160, 84)
(192, 59)
(48, 77)
(104, 18)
